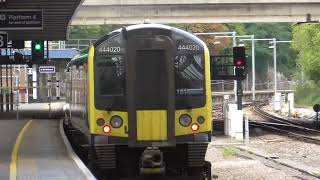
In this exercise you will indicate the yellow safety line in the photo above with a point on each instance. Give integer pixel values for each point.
(14, 155)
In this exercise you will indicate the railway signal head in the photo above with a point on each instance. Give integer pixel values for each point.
(239, 62)
(239, 56)
(37, 51)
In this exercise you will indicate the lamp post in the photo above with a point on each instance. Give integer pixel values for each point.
(274, 46)
(274, 42)
(253, 64)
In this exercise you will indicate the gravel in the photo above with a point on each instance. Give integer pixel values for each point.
(232, 166)
(238, 168)
(287, 148)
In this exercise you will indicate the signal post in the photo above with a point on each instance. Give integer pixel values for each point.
(232, 67)
(239, 61)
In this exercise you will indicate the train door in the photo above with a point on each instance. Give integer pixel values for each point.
(150, 88)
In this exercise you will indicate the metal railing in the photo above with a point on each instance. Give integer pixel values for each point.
(223, 85)
(79, 44)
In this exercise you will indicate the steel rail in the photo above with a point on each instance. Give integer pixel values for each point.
(290, 134)
(282, 120)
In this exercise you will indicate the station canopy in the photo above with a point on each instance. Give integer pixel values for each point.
(56, 15)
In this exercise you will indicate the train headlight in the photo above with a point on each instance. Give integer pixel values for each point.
(100, 122)
(185, 120)
(107, 129)
(195, 127)
(116, 121)
(200, 120)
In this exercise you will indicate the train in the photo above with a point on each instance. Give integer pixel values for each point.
(141, 98)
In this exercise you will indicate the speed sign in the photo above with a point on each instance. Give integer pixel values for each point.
(3, 39)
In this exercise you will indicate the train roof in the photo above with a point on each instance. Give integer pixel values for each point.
(149, 26)
(83, 55)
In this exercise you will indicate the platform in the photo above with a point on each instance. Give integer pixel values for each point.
(35, 111)
(34, 149)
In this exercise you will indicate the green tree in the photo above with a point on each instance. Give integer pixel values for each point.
(307, 44)
(264, 56)
(91, 32)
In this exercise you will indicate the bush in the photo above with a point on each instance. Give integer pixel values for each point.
(308, 93)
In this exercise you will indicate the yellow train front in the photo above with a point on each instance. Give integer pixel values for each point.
(148, 108)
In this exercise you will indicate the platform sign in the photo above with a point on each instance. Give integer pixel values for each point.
(21, 19)
(3, 39)
(47, 69)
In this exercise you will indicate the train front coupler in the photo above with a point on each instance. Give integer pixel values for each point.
(151, 162)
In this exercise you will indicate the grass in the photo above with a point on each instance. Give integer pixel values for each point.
(308, 94)
(229, 152)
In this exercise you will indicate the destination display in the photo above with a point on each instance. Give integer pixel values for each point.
(21, 19)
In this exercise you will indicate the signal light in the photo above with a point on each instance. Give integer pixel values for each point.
(239, 56)
(37, 47)
(239, 61)
(37, 51)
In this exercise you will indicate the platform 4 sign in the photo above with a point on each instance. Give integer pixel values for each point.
(21, 19)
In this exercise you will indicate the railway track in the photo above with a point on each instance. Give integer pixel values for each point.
(288, 127)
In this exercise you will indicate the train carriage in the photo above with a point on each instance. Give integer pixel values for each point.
(142, 97)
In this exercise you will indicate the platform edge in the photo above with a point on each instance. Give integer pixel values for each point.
(74, 156)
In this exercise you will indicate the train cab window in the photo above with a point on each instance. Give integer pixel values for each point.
(189, 81)
(109, 81)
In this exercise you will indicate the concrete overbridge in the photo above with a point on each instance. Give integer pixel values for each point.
(195, 11)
